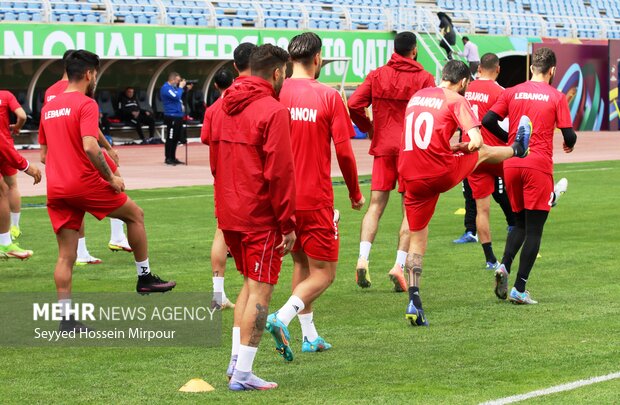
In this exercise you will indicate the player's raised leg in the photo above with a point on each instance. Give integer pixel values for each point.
(219, 254)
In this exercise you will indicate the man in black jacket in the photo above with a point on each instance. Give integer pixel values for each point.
(132, 115)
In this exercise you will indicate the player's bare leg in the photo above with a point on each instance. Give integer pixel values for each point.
(483, 209)
(133, 216)
(417, 249)
(219, 254)
(15, 205)
(83, 255)
(494, 154)
(118, 240)
(370, 225)
(8, 249)
(396, 274)
(252, 324)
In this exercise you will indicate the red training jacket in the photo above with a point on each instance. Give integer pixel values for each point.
(251, 159)
(389, 89)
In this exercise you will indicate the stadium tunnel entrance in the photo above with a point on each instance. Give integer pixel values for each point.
(513, 69)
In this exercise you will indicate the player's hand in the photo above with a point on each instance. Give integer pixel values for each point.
(35, 173)
(460, 147)
(567, 149)
(288, 241)
(14, 129)
(474, 145)
(112, 153)
(117, 183)
(357, 205)
(182, 83)
(371, 132)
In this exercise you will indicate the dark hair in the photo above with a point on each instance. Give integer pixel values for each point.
(241, 55)
(465, 38)
(543, 60)
(303, 47)
(404, 43)
(172, 75)
(67, 53)
(223, 78)
(489, 61)
(266, 58)
(79, 62)
(455, 71)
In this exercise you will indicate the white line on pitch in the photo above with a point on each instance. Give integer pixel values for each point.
(552, 390)
(598, 169)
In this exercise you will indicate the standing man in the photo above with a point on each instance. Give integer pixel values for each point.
(11, 160)
(172, 97)
(430, 166)
(541, 108)
(223, 79)
(482, 94)
(252, 163)
(8, 104)
(318, 116)
(131, 113)
(448, 36)
(79, 180)
(388, 89)
(470, 52)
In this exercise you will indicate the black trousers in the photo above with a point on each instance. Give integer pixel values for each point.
(140, 120)
(500, 197)
(446, 47)
(174, 127)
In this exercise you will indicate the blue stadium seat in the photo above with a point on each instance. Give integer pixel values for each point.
(142, 19)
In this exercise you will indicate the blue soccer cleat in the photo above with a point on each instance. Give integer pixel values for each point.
(415, 315)
(524, 133)
(318, 345)
(492, 266)
(280, 334)
(247, 381)
(521, 298)
(467, 237)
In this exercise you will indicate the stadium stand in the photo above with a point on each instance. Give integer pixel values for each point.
(554, 18)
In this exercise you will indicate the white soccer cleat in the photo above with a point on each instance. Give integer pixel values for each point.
(118, 246)
(83, 261)
(559, 189)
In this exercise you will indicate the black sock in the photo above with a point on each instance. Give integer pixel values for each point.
(535, 221)
(514, 241)
(488, 253)
(414, 295)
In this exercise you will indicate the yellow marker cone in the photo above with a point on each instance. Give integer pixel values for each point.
(197, 385)
(460, 211)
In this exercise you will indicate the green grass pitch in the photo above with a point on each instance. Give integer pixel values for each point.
(476, 348)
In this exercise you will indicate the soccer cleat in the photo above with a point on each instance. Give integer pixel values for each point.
(501, 282)
(492, 266)
(415, 315)
(71, 325)
(521, 298)
(398, 278)
(467, 237)
(83, 261)
(247, 381)
(231, 367)
(120, 246)
(524, 132)
(362, 274)
(15, 232)
(150, 283)
(558, 190)
(318, 345)
(13, 251)
(280, 334)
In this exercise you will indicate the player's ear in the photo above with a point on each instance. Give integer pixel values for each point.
(552, 71)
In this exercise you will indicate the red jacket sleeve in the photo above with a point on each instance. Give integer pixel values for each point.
(205, 131)
(10, 155)
(348, 167)
(279, 171)
(360, 99)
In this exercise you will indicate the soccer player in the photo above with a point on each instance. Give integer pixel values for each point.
(118, 240)
(482, 94)
(429, 166)
(529, 182)
(219, 250)
(388, 89)
(252, 163)
(318, 116)
(8, 103)
(79, 180)
(11, 160)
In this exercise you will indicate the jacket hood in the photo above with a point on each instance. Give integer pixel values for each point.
(399, 62)
(244, 92)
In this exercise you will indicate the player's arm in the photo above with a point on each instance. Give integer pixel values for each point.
(468, 122)
(205, 131)
(21, 120)
(491, 121)
(359, 100)
(103, 142)
(570, 139)
(17, 161)
(565, 124)
(280, 174)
